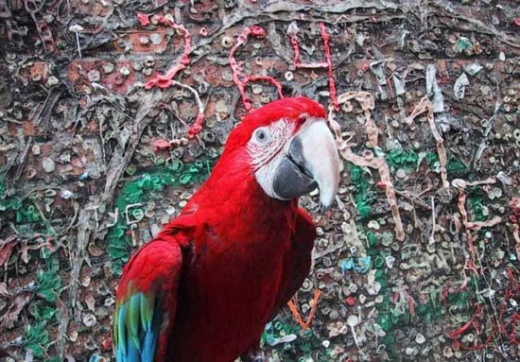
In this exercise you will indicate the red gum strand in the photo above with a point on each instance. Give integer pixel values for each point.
(165, 81)
(242, 79)
(327, 64)
(332, 85)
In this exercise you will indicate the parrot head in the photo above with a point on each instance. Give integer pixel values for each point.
(288, 149)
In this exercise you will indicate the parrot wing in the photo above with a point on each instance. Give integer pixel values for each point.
(296, 267)
(297, 262)
(146, 298)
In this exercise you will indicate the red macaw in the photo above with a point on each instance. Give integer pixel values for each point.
(204, 288)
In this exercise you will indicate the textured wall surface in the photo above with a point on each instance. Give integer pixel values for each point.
(112, 112)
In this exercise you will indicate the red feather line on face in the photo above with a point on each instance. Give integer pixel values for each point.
(280, 131)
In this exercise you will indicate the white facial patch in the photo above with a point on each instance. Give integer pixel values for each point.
(265, 149)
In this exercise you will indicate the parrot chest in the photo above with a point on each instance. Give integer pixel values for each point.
(227, 295)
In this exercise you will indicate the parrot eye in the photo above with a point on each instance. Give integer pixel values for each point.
(261, 135)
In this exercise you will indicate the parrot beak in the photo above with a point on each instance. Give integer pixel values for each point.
(311, 161)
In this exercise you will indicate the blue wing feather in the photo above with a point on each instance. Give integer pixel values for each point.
(151, 337)
(138, 325)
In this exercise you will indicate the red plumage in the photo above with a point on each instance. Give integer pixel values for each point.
(233, 258)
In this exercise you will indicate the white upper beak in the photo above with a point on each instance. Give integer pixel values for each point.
(312, 160)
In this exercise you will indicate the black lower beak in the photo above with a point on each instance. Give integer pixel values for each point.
(293, 178)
